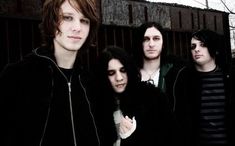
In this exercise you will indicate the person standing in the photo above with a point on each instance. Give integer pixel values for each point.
(204, 95)
(45, 99)
(128, 112)
(150, 53)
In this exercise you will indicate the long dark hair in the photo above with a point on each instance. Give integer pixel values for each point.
(134, 78)
(138, 39)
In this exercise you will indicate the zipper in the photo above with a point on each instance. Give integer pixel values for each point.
(70, 104)
(71, 115)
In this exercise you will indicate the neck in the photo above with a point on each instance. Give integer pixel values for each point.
(65, 59)
(151, 65)
(150, 68)
(210, 66)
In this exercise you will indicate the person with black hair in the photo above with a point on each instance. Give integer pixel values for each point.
(129, 111)
(44, 97)
(150, 53)
(204, 96)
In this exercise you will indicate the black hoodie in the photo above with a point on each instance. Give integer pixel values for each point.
(41, 106)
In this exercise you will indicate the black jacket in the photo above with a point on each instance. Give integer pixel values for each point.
(36, 104)
(187, 108)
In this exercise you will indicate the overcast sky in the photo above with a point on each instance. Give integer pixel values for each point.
(213, 4)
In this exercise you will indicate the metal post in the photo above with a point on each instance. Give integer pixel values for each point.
(207, 6)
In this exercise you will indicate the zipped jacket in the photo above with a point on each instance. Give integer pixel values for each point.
(40, 106)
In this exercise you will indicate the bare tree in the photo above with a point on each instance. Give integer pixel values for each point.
(232, 26)
(231, 12)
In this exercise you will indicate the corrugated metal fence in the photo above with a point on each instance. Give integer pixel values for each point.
(20, 35)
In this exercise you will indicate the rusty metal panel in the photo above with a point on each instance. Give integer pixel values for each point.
(18, 37)
(130, 13)
(114, 12)
(177, 43)
(28, 8)
(183, 19)
(211, 20)
(194, 19)
(115, 35)
(191, 19)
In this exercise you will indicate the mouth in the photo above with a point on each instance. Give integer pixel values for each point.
(197, 56)
(151, 50)
(74, 37)
(120, 85)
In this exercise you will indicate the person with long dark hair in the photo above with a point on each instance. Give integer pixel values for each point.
(129, 111)
(150, 53)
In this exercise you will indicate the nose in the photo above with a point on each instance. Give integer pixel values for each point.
(151, 42)
(119, 76)
(76, 26)
(196, 48)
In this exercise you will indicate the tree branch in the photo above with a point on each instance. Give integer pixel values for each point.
(231, 12)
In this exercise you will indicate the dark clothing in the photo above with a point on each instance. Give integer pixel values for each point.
(168, 75)
(149, 106)
(187, 92)
(41, 106)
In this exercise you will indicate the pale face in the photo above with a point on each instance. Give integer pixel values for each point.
(74, 29)
(200, 53)
(152, 44)
(117, 76)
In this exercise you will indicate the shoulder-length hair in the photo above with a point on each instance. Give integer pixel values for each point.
(51, 19)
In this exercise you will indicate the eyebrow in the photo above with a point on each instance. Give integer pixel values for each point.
(152, 36)
(68, 13)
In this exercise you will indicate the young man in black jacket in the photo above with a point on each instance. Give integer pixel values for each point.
(204, 95)
(44, 97)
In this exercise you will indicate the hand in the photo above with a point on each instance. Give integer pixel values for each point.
(125, 124)
(127, 127)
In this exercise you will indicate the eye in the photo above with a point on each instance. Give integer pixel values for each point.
(85, 21)
(156, 38)
(193, 46)
(67, 18)
(123, 70)
(202, 45)
(146, 39)
(111, 72)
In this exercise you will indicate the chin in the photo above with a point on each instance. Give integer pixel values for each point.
(120, 90)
